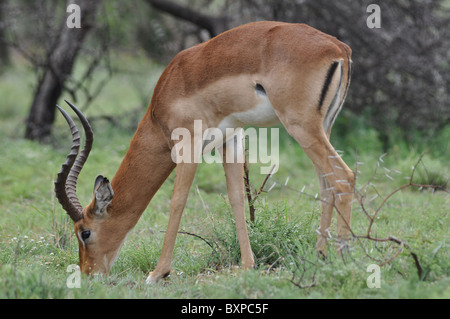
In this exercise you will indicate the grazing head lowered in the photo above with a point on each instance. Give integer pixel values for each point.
(90, 227)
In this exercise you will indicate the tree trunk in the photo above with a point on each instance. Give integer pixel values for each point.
(4, 54)
(59, 67)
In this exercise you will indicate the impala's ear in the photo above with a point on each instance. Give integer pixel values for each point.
(103, 194)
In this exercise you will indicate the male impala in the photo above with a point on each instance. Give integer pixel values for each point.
(259, 74)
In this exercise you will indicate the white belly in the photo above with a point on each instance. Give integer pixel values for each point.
(262, 114)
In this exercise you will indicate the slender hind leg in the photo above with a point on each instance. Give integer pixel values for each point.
(327, 199)
(335, 177)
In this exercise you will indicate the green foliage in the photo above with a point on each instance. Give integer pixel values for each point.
(273, 235)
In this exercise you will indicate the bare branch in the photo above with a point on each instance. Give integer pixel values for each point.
(214, 25)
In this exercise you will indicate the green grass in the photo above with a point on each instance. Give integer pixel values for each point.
(37, 243)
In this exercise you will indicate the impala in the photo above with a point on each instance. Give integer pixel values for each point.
(257, 74)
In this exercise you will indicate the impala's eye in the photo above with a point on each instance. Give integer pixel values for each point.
(85, 234)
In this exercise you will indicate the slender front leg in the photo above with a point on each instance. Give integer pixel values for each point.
(183, 180)
(234, 173)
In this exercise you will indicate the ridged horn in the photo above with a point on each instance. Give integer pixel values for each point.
(66, 181)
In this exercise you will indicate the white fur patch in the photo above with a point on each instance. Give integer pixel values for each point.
(262, 114)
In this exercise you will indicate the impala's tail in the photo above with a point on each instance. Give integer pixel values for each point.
(340, 70)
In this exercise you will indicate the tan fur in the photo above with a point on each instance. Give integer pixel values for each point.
(210, 82)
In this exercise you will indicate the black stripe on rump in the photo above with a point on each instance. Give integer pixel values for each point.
(327, 82)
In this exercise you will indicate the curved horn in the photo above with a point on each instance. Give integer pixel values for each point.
(66, 181)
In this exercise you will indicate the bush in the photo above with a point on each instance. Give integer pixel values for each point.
(273, 236)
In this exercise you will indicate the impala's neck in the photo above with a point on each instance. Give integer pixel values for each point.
(145, 167)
